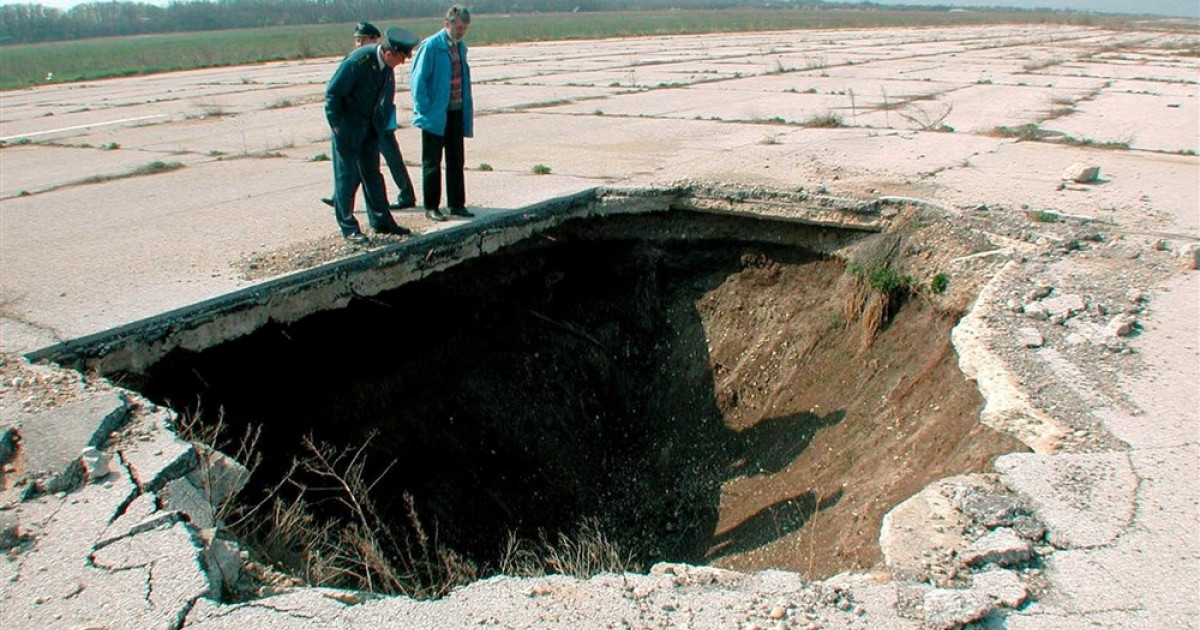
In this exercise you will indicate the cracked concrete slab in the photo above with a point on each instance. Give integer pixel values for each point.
(1085, 500)
(156, 455)
(51, 441)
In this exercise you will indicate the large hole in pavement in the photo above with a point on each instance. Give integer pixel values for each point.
(697, 400)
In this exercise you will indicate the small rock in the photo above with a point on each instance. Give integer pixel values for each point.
(1122, 325)
(1081, 173)
(9, 529)
(1063, 306)
(1002, 547)
(1191, 256)
(778, 612)
(96, 463)
(1039, 292)
(1036, 311)
(1030, 338)
(947, 609)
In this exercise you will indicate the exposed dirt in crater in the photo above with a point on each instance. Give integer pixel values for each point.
(704, 401)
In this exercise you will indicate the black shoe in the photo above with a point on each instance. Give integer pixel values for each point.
(462, 212)
(393, 228)
(327, 201)
(402, 205)
(358, 238)
(434, 215)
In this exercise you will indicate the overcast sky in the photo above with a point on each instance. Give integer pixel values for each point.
(1185, 8)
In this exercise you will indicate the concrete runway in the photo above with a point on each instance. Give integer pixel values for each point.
(85, 249)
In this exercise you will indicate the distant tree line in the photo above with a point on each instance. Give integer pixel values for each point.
(30, 23)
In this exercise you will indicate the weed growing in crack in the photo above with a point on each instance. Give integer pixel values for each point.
(826, 120)
(930, 122)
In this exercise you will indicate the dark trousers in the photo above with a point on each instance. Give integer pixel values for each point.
(390, 149)
(432, 148)
(353, 166)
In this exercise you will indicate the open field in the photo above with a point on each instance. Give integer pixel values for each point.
(25, 65)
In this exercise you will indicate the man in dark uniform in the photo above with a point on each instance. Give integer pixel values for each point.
(359, 106)
(365, 34)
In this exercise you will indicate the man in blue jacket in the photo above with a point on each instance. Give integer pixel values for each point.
(443, 110)
(359, 106)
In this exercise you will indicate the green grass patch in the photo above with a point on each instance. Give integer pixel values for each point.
(940, 283)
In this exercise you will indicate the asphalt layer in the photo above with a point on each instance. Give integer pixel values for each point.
(85, 248)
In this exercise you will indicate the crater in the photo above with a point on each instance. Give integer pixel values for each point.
(602, 392)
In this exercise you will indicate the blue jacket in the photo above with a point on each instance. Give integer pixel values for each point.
(429, 82)
(360, 96)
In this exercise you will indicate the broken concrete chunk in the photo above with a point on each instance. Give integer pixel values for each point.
(180, 494)
(924, 531)
(1081, 173)
(217, 475)
(222, 561)
(162, 458)
(949, 609)
(1004, 587)
(52, 440)
(1002, 547)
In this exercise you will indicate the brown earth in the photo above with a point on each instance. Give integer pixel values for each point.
(899, 414)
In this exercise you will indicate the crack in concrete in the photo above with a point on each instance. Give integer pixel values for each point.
(133, 495)
(283, 611)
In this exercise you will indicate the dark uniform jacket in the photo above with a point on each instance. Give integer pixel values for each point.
(360, 97)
